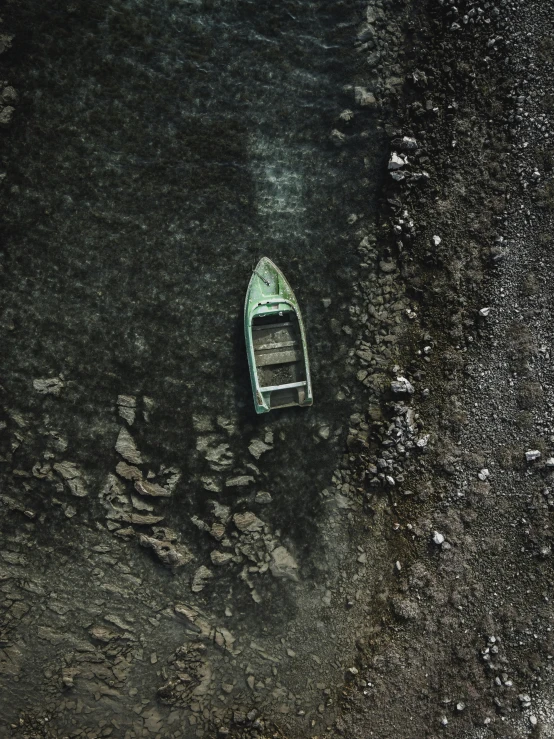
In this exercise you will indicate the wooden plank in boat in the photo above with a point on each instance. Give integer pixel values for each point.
(275, 334)
(275, 345)
(265, 358)
(272, 326)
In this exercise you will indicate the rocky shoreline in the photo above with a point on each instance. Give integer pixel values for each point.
(470, 216)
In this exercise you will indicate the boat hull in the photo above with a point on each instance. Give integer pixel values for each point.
(275, 341)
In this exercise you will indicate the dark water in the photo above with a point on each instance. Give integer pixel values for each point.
(159, 150)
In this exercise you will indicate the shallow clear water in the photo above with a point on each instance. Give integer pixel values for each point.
(160, 150)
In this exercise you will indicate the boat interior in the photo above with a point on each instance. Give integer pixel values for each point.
(279, 356)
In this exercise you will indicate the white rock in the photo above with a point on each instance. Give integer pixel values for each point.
(438, 538)
(532, 455)
(483, 474)
(436, 240)
(402, 385)
(408, 143)
(396, 161)
(484, 312)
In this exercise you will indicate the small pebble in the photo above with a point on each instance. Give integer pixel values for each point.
(438, 538)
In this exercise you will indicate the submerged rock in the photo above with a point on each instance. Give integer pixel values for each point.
(73, 477)
(240, 481)
(170, 553)
(220, 558)
(6, 115)
(258, 447)
(151, 489)
(146, 519)
(148, 407)
(126, 446)
(324, 431)
(141, 505)
(211, 484)
(364, 97)
(50, 386)
(222, 512)
(202, 423)
(128, 471)
(218, 455)
(126, 406)
(248, 522)
(263, 497)
(201, 577)
(217, 530)
(283, 564)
